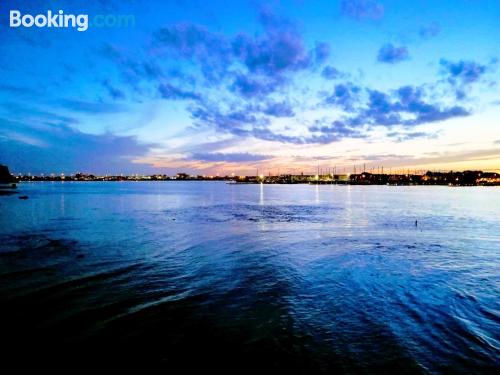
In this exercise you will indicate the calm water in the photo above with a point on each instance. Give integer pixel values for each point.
(312, 279)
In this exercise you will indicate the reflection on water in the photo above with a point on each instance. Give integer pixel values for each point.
(311, 279)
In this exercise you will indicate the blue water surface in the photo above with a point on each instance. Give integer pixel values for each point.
(241, 278)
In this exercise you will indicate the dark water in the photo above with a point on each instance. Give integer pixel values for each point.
(202, 275)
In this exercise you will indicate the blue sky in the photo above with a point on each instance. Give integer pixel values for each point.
(239, 86)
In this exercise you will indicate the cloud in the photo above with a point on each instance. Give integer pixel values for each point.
(212, 51)
(409, 136)
(390, 54)
(17, 111)
(322, 52)
(236, 122)
(329, 72)
(167, 91)
(431, 159)
(407, 106)
(430, 30)
(344, 95)
(463, 72)
(42, 148)
(256, 85)
(266, 134)
(249, 123)
(254, 122)
(277, 52)
(451, 157)
(88, 107)
(229, 157)
(362, 109)
(249, 86)
(132, 66)
(151, 70)
(336, 131)
(114, 92)
(377, 157)
(250, 60)
(190, 40)
(279, 109)
(362, 9)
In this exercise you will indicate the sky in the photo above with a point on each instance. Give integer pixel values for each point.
(247, 87)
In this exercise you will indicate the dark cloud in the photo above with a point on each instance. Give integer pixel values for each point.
(250, 122)
(380, 110)
(229, 157)
(344, 95)
(236, 122)
(113, 91)
(362, 9)
(133, 68)
(275, 53)
(431, 113)
(42, 148)
(247, 77)
(463, 72)
(407, 106)
(363, 109)
(168, 91)
(461, 75)
(430, 30)
(271, 56)
(390, 54)
(246, 124)
(151, 70)
(271, 21)
(191, 41)
(268, 135)
(211, 51)
(279, 109)
(329, 72)
(336, 131)
(249, 86)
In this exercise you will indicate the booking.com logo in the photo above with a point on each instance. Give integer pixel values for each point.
(61, 20)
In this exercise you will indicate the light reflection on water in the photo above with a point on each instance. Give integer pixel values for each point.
(285, 277)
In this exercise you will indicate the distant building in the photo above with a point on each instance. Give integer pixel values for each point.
(182, 176)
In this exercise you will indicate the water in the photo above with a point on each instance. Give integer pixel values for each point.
(297, 278)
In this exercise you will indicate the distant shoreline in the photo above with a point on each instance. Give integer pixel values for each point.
(259, 183)
(465, 178)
